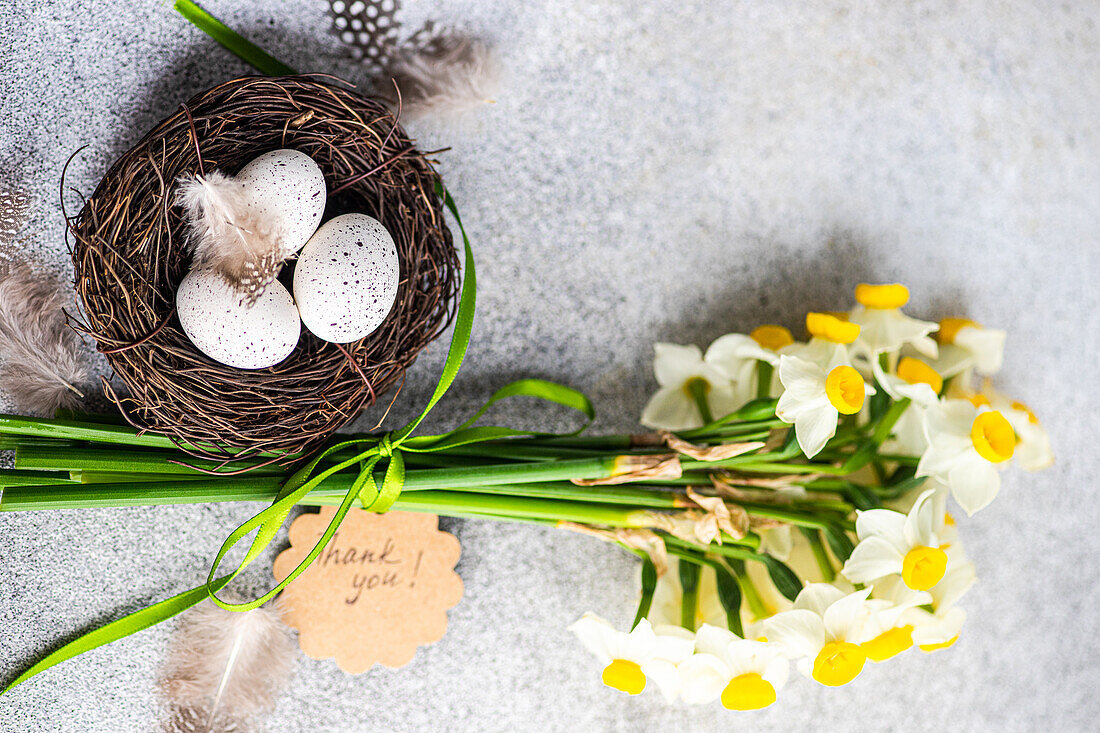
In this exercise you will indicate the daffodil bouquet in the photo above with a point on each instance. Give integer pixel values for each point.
(888, 420)
(790, 502)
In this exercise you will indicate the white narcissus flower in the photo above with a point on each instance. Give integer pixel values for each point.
(940, 628)
(815, 397)
(823, 632)
(745, 675)
(883, 327)
(892, 543)
(1033, 451)
(920, 384)
(646, 652)
(966, 446)
(965, 345)
(679, 370)
(887, 632)
(737, 356)
(830, 336)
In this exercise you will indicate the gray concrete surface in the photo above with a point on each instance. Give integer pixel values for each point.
(650, 171)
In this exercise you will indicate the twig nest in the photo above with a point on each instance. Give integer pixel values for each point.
(130, 255)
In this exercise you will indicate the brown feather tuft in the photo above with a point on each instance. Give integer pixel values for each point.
(225, 669)
(228, 235)
(40, 364)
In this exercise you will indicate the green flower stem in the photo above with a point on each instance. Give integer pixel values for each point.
(824, 564)
(689, 584)
(764, 372)
(80, 430)
(91, 458)
(697, 389)
(749, 590)
(13, 477)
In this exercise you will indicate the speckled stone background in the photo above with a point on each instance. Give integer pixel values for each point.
(650, 171)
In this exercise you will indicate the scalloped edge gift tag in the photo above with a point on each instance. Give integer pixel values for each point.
(380, 589)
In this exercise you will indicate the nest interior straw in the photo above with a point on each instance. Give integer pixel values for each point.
(129, 257)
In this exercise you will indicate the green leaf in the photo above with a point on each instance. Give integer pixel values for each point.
(839, 542)
(861, 497)
(649, 585)
(247, 51)
(786, 582)
(729, 593)
(689, 583)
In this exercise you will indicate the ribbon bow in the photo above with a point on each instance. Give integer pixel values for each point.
(368, 452)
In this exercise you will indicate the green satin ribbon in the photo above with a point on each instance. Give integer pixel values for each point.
(374, 451)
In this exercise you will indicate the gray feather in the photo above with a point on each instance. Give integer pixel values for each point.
(40, 364)
(225, 669)
(228, 235)
(445, 74)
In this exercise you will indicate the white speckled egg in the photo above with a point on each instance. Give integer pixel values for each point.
(215, 318)
(288, 186)
(346, 278)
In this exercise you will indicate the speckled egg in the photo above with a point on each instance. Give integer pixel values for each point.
(288, 186)
(215, 318)
(346, 279)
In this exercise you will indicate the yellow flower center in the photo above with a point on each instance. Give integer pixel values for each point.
(916, 371)
(748, 692)
(772, 337)
(948, 519)
(978, 400)
(993, 437)
(845, 388)
(882, 297)
(923, 567)
(838, 663)
(1021, 407)
(950, 327)
(831, 328)
(888, 644)
(941, 645)
(622, 674)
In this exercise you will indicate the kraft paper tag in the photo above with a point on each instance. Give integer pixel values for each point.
(380, 589)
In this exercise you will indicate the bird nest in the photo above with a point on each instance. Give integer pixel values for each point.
(129, 256)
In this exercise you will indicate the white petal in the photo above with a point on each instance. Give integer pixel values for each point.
(638, 646)
(776, 672)
(974, 482)
(713, 640)
(987, 346)
(723, 399)
(801, 633)
(804, 380)
(952, 360)
(674, 364)
(921, 522)
(884, 523)
(730, 353)
(671, 409)
(673, 643)
(777, 542)
(817, 597)
(702, 678)
(954, 585)
(666, 676)
(943, 629)
(815, 427)
(845, 618)
(872, 559)
(596, 635)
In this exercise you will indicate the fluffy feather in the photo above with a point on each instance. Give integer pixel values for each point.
(225, 668)
(228, 236)
(40, 362)
(447, 74)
